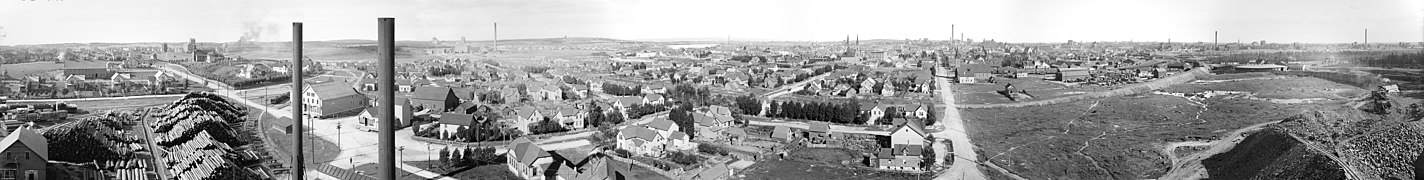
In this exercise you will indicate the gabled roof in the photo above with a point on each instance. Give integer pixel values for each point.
(678, 135)
(433, 93)
(526, 112)
(37, 143)
(457, 119)
(329, 91)
(526, 153)
(639, 133)
(914, 124)
(818, 126)
(703, 119)
(662, 124)
(781, 132)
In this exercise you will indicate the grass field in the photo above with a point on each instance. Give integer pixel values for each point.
(1274, 87)
(30, 68)
(987, 93)
(1118, 138)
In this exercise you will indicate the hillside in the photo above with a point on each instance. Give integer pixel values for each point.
(1330, 144)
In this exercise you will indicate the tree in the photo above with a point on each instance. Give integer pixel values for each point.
(445, 155)
(457, 158)
(684, 158)
(681, 115)
(461, 132)
(748, 104)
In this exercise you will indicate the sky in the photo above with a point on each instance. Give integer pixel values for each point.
(1281, 21)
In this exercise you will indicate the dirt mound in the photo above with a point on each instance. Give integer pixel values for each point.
(1271, 154)
(1330, 144)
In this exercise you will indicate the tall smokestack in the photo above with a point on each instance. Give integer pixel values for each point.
(951, 32)
(386, 57)
(298, 166)
(496, 37)
(1215, 38)
(1367, 37)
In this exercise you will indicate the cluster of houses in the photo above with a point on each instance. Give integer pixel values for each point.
(527, 160)
(89, 79)
(876, 111)
(851, 83)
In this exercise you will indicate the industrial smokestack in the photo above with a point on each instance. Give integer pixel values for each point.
(1215, 38)
(386, 58)
(496, 37)
(298, 165)
(951, 32)
(1367, 37)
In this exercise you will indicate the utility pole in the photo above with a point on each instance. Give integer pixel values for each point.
(298, 167)
(386, 58)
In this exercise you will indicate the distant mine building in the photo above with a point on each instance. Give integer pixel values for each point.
(1072, 74)
(1259, 68)
(192, 44)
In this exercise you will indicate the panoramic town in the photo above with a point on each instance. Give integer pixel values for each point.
(478, 106)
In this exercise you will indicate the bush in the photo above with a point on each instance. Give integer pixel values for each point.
(684, 158)
(622, 153)
(710, 149)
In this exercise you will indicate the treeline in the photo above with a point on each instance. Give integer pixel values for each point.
(1397, 60)
(535, 69)
(444, 70)
(620, 90)
(749, 104)
(844, 113)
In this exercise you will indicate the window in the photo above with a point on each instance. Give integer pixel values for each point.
(7, 173)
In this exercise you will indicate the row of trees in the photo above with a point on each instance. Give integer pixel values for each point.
(445, 70)
(844, 113)
(749, 104)
(476, 156)
(1405, 60)
(547, 125)
(620, 90)
(598, 118)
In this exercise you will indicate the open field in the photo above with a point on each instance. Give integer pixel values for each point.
(1119, 137)
(1272, 87)
(30, 68)
(987, 93)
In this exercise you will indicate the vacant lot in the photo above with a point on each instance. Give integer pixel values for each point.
(987, 93)
(30, 68)
(1272, 87)
(1117, 138)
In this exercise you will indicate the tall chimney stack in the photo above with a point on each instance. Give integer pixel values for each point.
(1215, 38)
(951, 33)
(496, 37)
(1367, 37)
(386, 59)
(298, 166)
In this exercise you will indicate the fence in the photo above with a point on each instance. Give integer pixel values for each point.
(1362, 80)
(1130, 89)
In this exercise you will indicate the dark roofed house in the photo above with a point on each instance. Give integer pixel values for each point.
(781, 132)
(437, 99)
(527, 160)
(332, 99)
(25, 155)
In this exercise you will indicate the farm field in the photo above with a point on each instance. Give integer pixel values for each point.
(1119, 137)
(31, 68)
(1271, 86)
(987, 93)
